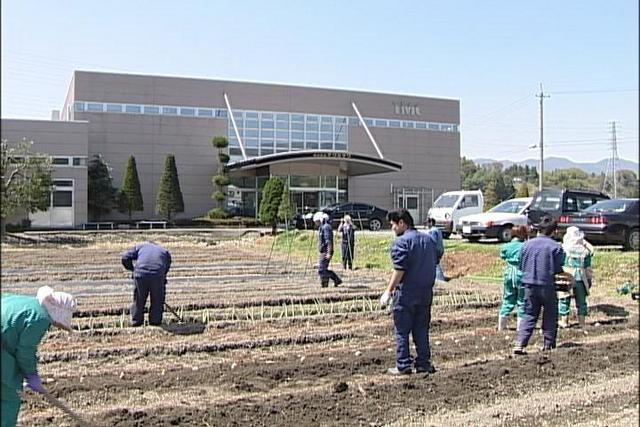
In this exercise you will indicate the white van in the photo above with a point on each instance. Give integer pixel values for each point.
(453, 205)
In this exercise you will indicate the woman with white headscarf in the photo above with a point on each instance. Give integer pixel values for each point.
(577, 262)
(25, 320)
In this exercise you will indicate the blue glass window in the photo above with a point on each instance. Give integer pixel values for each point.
(312, 136)
(251, 115)
(282, 125)
(312, 127)
(94, 107)
(170, 111)
(380, 123)
(267, 133)
(149, 109)
(353, 121)
(205, 112)
(114, 108)
(407, 124)
(282, 134)
(297, 126)
(78, 106)
(421, 125)
(266, 116)
(221, 113)
(297, 135)
(434, 126)
(187, 111)
(326, 127)
(394, 123)
(135, 109)
(297, 117)
(282, 117)
(267, 124)
(251, 123)
(312, 119)
(251, 133)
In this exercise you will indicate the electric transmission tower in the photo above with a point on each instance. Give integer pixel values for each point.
(611, 173)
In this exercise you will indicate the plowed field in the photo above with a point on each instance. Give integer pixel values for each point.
(277, 350)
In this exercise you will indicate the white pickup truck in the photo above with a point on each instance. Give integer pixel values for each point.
(496, 222)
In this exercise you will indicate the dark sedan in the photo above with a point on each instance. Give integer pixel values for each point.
(613, 221)
(362, 214)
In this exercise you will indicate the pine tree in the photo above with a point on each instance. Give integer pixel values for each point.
(285, 210)
(490, 193)
(271, 198)
(169, 200)
(101, 194)
(130, 197)
(523, 190)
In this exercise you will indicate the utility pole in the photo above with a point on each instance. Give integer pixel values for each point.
(541, 95)
(614, 158)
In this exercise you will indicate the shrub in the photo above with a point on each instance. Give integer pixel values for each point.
(218, 213)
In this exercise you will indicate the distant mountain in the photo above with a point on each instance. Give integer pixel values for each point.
(553, 163)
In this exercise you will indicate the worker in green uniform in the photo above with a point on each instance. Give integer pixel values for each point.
(25, 320)
(512, 290)
(577, 262)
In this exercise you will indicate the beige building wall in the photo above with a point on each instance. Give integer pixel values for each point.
(61, 139)
(430, 159)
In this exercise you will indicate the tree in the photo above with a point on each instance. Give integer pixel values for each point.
(271, 198)
(221, 180)
(285, 210)
(130, 198)
(169, 200)
(101, 194)
(490, 193)
(523, 190)
(26, 180)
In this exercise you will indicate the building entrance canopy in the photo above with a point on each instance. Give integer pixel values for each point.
(313, 162)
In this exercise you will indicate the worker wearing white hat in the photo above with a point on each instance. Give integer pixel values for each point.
(25, 320)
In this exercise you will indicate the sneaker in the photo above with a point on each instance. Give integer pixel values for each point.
(429, 369)
(324, 283)
(397, 372)
(337, 282)
(519, 350)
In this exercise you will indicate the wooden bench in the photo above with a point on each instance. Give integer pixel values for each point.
(97, 225)
(151, 223)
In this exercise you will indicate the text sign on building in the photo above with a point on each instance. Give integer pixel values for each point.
(406, 109)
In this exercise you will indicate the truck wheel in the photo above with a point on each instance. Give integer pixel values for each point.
(632, 239)
(375, 224)
(505, 234)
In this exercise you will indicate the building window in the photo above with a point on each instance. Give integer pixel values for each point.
(78, 106)
(221, 113)
(380, 123)
(79, 161)
(62, 199)
(149, 109)
(171, 111)
(407, 124)
(132, 109)
(187, 111)
(94, 107)
(205, 112)
(63, 183)
(394, 123)
(60, 161)
(114, 108)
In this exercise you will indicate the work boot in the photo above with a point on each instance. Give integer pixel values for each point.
(429, 369)
(337, 282)
(564, 322)
(581, 321)
(397, 372)
(502, 323)
(324, 283)
(519, 350)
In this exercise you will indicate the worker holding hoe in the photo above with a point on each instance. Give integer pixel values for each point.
(410, 291)
(512, 290)
(152, 263)
(578, 254)
(325, 249)
(25, 320)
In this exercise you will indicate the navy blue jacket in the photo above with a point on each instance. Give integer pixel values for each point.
(325, 238)
(414, 253)
(540, 261)
(151, 260)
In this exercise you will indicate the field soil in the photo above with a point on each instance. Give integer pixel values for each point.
(264, 345)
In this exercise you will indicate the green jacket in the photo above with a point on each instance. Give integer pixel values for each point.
(24, 323)
(511, 252)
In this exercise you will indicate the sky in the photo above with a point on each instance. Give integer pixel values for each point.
(493, 56)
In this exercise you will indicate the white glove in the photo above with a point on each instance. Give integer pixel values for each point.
(385, 299)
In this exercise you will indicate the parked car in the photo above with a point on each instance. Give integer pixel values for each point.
(614, 221)
(557, 202)
(363, 215)
(496, 222)
(449, 207)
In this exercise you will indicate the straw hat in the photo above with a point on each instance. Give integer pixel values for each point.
(59, 305)
(320, 216)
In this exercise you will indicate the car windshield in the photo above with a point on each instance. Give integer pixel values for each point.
(510, 206)
(446, 201)
(609, 206)
(547, 201)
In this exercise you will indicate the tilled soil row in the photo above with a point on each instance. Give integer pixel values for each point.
(353, 388)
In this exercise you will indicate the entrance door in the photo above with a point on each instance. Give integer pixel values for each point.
(410, 202)
(60, 212)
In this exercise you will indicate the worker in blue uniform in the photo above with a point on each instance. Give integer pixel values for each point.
(541, 259)
(152, 263)
(325, 249)
(25, 320)
(410, 290)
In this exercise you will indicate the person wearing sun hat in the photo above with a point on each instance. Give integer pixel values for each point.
(25, 320)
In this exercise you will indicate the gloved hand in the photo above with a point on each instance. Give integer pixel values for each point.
(385, 299)
(34, 383)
